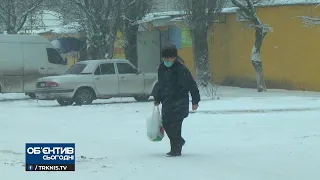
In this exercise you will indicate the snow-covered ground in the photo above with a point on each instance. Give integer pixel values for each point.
(243, 136)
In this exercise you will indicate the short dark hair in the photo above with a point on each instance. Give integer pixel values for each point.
(169, 51)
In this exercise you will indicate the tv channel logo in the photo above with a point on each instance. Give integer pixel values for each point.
(50, 157)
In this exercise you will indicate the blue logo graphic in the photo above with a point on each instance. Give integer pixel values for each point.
(49, 154)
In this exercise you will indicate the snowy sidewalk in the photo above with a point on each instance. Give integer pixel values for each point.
(245, 135)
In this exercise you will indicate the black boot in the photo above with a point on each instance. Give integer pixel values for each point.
(172, 149)
(172, 154)
(176, 148)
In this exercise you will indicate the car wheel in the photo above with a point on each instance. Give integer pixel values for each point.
(141, 98)
(65, 101)
(84, 96)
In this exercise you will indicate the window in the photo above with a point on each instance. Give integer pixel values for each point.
(125, 68)
(104, 69)
(54, 57)
(98, 71)
(76, 69)
(107, 68)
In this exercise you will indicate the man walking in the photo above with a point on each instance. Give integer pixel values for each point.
(174, 84)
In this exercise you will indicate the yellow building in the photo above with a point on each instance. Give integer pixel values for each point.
(73, 57)
(290, 55)
(118, 49)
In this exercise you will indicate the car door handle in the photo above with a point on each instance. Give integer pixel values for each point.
(42, 68)
(97, 78)
(122, 77)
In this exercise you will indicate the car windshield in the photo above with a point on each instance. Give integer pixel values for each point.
(76, 69)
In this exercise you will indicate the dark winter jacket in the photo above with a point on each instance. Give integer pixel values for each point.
(174, 85)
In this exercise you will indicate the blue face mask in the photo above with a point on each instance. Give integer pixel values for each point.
(168, 63)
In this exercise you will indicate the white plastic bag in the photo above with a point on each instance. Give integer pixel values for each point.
(155, 131)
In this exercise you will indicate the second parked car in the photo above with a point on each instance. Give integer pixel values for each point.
(88, 80)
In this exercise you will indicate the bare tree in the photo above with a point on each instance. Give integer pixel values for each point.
(34, 22)
(97, 18)
(199, 16)
(132, 11)
(14, 13)
(101, 19)
(310, 21)
(248, 9)
(2, 27)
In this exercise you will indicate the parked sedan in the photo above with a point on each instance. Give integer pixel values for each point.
(89, 80)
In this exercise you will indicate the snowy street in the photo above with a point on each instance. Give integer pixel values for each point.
(245, 135)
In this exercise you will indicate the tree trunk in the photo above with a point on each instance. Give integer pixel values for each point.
(130, 46)
(201, 56)
(10, 29)
(256, 59)
(98, 47)
(111, 49)
(93, 52)
(11, 32)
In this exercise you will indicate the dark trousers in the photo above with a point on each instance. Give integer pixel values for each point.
(173, 131)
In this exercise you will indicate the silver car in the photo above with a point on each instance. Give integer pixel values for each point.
(89, 80)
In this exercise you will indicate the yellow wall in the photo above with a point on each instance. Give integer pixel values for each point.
(118, 49)
(186, 54)
(290, 54)
(72, 58)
